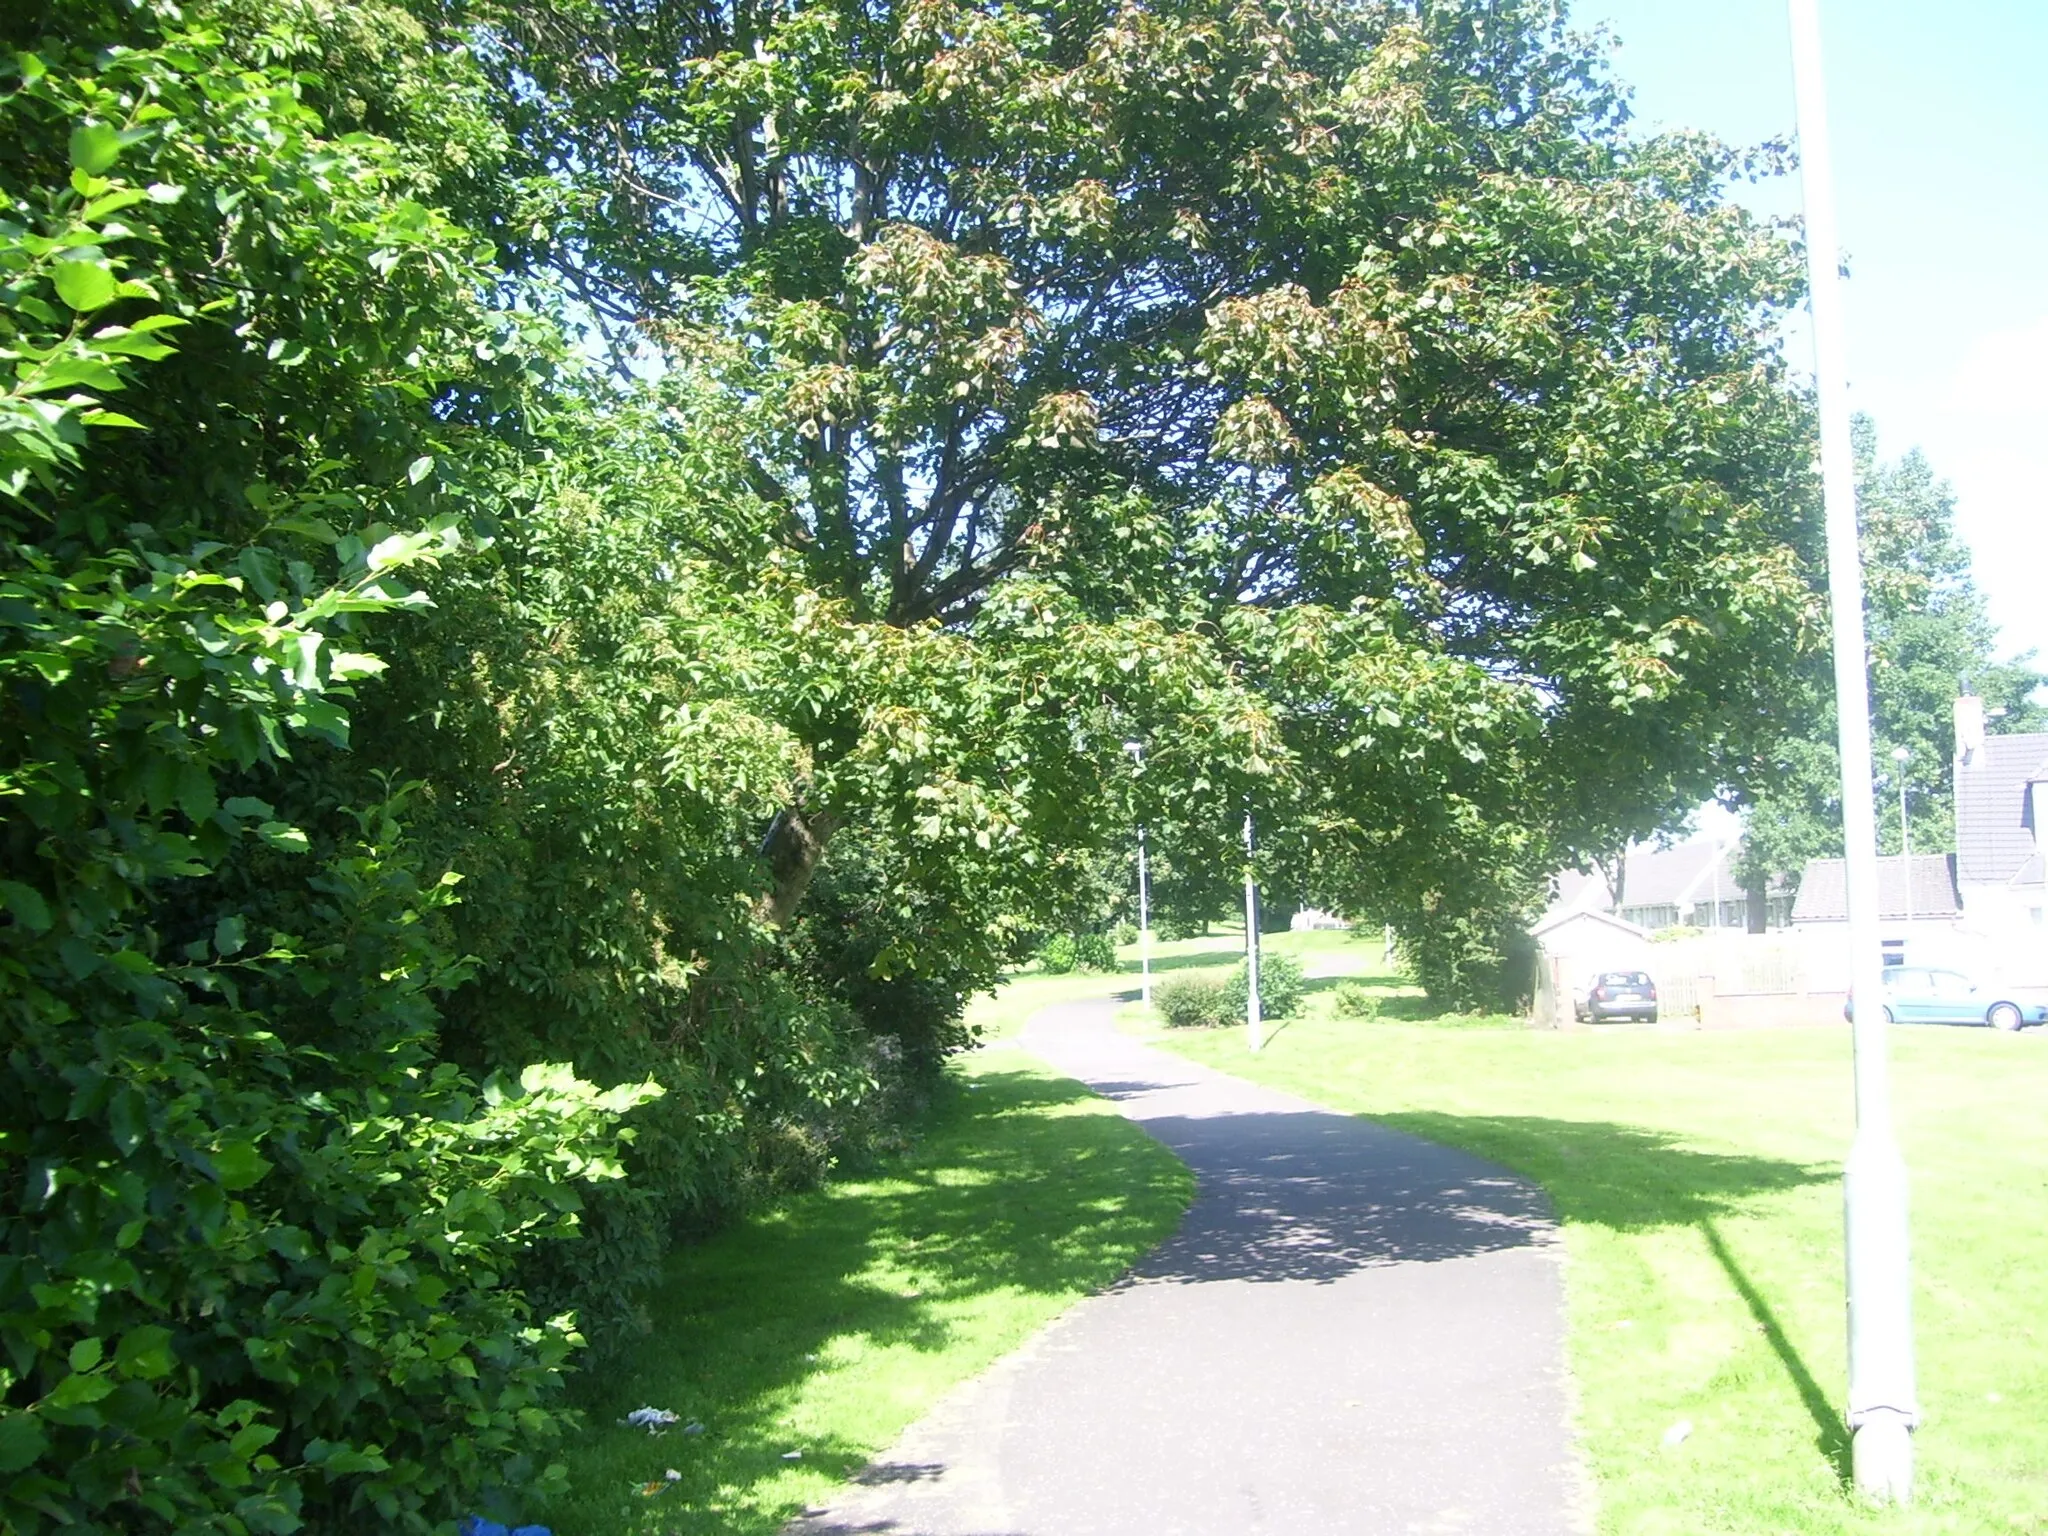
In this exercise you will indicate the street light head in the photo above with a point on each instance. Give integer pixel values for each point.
(1900, 754)
(1136, 749)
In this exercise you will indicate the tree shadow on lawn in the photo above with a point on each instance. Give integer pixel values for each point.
(1006, 1193)
(1203, 960)
(1634, 1180)
(1414, 1009)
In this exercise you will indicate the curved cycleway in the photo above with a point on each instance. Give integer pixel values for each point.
(1353, 1330)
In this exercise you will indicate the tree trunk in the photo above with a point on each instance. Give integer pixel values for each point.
(793, 847)
(1614, 875)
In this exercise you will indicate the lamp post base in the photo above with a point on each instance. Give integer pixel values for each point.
(1882, 1458)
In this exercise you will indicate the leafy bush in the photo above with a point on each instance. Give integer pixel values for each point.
(253, 1270)
(1123, 934)
(1058, 955)
(1353, 1000)
(1193, 1002)
(1281, 986)
(255, 1235)
(1094, 952)
(1479, 962)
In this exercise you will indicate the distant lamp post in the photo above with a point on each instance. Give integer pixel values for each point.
(1901, 756)
(1254, 1021)
(1137, 751)
(1884, 1404)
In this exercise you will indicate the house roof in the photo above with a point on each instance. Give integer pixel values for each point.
(1824, 895)
(1657, 877)
(1562, 919)
(1994, 821)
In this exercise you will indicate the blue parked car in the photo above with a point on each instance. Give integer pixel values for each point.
(1922, 995)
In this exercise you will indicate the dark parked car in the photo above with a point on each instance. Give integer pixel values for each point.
(1619, 995)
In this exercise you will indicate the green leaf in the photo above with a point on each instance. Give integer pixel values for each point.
(420, 468)
(237, 1165)
(84, 285)
(26, 905)
(73, 1391)
(230, 934)
(145, 1352)
(86, 1354)
(286, 839)
(21, 1441)
(127, 1121)
(95, 147)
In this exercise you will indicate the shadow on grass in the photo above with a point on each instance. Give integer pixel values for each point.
(1633, 1180)
(1007, 1194)
(1831, 1429)
(1423, 1010)
(1619, 1176)
(1210, 959)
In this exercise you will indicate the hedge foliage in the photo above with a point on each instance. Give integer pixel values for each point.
(258, 1234)
(1192, 1002)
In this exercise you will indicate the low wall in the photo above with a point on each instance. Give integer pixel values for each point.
(1698, 1002)
(1770, 1010)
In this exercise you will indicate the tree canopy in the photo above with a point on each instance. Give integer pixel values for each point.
(1363, 340)
(1930, 638)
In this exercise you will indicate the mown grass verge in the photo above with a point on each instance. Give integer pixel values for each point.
(1696, 1176)
(827, 1324)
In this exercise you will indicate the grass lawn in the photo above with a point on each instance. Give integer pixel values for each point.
(1697, 1178)
(827, 1324)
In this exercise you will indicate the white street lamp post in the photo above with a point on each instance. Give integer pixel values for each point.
(1899, 756)
(1883, 1399)
(1137, 751)
(1253, 1022)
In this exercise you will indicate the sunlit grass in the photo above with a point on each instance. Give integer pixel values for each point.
(824, 1326)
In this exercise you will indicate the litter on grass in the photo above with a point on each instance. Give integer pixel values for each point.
(653, 1420)
(649, 1490)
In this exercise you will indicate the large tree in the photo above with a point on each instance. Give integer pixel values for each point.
(1362, 338)
(1930, 637)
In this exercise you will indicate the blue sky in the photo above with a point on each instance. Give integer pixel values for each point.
(1940, 125)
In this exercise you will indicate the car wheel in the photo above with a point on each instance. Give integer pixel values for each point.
(1888, 1017)
(1652, 1016)
(2003, 1016)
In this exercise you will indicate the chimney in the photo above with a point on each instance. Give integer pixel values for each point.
(1969, 729)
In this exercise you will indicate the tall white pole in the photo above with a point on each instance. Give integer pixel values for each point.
(1144, 922)
(1254, 1023)
(1883, 1400)
(1899, 756)
(1137, 751)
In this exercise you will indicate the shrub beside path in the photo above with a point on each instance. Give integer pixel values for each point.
(1353, 1331)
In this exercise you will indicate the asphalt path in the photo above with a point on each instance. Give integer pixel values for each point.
(1353, 1330)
